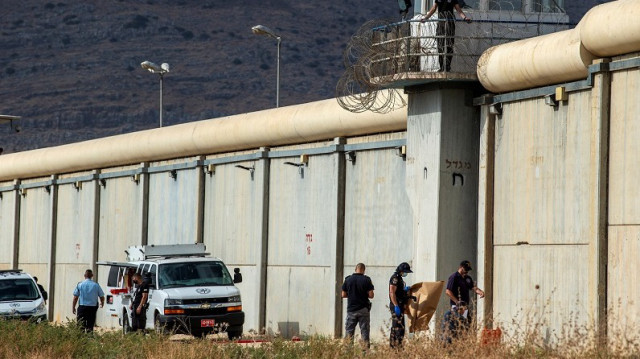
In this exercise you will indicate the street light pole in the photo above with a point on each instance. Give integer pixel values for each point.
(263, 30)
(160, 70)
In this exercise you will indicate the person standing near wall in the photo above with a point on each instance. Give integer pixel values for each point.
(358, 289)
(446, 29)
(398, 297)
(139, 305)
(45, 296)
(86, 295)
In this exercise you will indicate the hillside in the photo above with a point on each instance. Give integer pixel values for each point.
(71, 68)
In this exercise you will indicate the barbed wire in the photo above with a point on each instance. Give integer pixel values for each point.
(383, 52)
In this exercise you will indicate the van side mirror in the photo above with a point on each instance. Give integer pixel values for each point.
(237, 276)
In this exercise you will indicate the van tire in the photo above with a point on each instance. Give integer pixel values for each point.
(126, 327)
(159, 328)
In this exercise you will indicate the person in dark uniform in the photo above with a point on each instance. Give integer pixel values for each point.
(459, 285)
(398, 298)
(358, 289)
(139, 305)
(446, 29)
(45, 296)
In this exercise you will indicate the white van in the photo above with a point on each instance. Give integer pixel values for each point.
(189, 293)
(20, 297)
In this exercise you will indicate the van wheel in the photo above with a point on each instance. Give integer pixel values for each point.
(159, 328)
(234, 334)
(126, 327)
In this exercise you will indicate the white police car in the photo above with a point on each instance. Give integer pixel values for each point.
(20, 297)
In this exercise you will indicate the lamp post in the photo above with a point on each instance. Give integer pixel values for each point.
(160, 70)
(263, 30)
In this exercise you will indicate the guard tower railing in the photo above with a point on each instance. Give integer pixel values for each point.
(412, 52)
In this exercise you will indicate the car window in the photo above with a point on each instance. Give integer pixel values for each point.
(152, 275)
(113, 279)
(209, 273)
(18, 289)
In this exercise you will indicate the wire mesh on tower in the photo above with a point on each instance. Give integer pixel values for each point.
(358, 90)
(385, 55)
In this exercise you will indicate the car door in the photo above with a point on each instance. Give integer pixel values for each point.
(118, 290)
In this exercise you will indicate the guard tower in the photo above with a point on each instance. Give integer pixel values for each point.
(443, 125)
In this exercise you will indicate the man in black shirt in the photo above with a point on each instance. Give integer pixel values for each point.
(446, 29)
(459, 285)
(398, 298)
(139, 305)
(358, 289)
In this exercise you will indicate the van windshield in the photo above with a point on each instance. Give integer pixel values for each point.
(18, 289)
(193, 274)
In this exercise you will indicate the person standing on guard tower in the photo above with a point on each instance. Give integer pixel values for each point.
(446, 29)
(398, 297)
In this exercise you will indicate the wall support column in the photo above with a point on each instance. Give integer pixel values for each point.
(53, 226)
(16, 224)
(263, 261)
(143, 182)
(200, 194)
(485, 212)
(96, 221)
(341, 179)
(598, 248)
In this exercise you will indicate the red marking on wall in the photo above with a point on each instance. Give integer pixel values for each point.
(308, 240)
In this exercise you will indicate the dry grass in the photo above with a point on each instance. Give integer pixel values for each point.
(25, 340)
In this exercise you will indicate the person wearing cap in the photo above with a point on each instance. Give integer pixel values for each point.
(460, 283)
(398, 298)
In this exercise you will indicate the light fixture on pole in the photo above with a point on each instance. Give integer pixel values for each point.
(160, 70)
(263, 30)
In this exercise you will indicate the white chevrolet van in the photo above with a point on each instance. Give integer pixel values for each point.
(189, 293)
(20, 297)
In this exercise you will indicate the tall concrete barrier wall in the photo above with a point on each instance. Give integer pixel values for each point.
(623, 218)
(558, 217)
(295, 229)
(295, 217)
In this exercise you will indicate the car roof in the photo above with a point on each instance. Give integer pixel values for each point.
(13, 274)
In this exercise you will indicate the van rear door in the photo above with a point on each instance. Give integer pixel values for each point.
(118, 287)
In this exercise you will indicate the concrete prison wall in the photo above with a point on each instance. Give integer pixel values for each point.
(295, 231)
(559, 218)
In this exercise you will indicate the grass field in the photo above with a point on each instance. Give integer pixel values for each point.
(25, 340)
